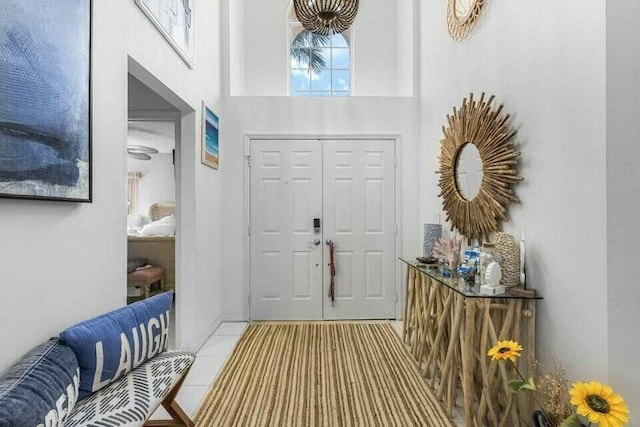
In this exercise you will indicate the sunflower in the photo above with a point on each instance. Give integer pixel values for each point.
(505, 350)
(599, 404)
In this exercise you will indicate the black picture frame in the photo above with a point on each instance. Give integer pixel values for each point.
(89, 142)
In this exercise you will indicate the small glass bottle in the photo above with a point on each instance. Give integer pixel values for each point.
(488, 254)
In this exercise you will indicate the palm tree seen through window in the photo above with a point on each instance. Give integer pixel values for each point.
(320, 65)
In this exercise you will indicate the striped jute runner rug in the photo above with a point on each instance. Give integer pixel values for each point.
(320, 374)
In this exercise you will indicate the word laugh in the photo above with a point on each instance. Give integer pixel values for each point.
(148, 340)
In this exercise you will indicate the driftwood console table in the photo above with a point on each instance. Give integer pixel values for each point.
(449, 332)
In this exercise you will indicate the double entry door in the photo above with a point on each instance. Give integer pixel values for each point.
(305, 194)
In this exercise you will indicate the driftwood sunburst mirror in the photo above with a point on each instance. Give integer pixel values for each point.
(478, 167)
(462, 17)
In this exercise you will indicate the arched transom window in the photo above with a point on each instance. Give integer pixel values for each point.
(320, 65)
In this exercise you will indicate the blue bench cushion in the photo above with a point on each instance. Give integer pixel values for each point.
(41, 389)
(111, 345)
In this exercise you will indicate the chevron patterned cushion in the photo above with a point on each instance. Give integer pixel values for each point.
(133, 398)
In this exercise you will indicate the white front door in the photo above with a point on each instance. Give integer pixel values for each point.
(359, 217)
(286, 253)
(349, 187)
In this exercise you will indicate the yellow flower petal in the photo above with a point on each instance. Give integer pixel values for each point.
(607, 392)
(599, 403)
(505, 350)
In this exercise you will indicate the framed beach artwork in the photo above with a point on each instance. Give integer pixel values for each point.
(210, 131)
(175, 19)
(45, 99)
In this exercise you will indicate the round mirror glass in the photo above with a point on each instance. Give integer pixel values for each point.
(469, 171)
(463, 8)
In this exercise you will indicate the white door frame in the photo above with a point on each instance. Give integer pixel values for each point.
(246, 220)
(185, 166)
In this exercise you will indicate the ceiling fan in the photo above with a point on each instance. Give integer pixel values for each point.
(140, 152)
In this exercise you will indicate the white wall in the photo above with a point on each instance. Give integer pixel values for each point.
(407, 53)
(62, 262)
(308, 116)
(546, 62)
(199, 287)
(234, 48)
(623, 187)
(53, 262)
(260, 51)
(158, 182)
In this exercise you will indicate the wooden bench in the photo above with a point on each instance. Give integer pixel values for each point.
(135, 397)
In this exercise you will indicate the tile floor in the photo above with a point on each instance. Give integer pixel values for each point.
(210, 360)
(205, 369)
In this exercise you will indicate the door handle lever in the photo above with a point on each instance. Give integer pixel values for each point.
(315, 242)
(329, 242)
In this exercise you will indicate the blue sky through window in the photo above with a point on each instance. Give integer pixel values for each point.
(320, 65)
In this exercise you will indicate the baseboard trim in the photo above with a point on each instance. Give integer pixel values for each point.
(233, 317)
(200, 343)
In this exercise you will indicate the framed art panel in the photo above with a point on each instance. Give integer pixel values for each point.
(45, 99)
(175, 19)
(210, 142)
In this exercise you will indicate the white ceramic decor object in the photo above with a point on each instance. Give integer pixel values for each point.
(488, 290)
(492, 278)
(493, 275)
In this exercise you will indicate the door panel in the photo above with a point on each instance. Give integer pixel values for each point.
(286, 194)
(359, 215)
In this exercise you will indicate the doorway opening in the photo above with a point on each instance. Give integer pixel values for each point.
(151, 206)
(152, 139)
(160, 124)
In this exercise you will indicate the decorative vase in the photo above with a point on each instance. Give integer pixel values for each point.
(509, 249)
(432, 232)
(539, 420)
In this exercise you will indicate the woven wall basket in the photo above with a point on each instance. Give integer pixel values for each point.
(509, 250)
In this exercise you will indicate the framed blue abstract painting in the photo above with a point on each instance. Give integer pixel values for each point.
(210, 130)
(45, 99)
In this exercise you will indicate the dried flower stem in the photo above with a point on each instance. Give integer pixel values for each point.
(535, 398)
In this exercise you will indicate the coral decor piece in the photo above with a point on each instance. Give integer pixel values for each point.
(448, 249)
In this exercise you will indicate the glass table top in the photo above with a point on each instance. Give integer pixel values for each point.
(457, 284)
